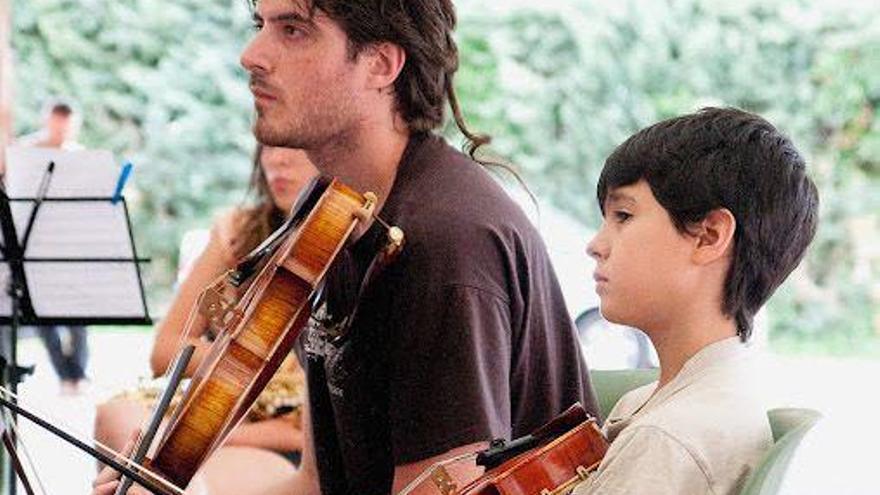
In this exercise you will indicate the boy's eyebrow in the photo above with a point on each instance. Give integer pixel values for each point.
(619, 197)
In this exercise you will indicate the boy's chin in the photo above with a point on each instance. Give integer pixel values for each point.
(613, 314)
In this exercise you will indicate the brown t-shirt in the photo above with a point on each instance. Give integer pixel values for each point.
(464, 338)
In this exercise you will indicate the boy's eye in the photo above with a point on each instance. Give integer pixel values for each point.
(622, 216)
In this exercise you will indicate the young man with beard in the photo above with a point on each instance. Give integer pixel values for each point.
(465, 337)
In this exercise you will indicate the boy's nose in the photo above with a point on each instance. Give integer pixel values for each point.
(596, 249)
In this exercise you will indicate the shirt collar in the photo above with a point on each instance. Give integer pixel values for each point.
(716, 354)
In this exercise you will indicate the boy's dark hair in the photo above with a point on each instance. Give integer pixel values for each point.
(727, 158)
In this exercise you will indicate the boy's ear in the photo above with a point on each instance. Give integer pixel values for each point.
(386, 62)
(714, 236)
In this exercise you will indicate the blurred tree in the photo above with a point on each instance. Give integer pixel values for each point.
(157, 82)
(558, 87)
(576, 83)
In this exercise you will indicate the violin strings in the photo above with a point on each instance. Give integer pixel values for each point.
(383, 223)
(117, 456)
(187, 329)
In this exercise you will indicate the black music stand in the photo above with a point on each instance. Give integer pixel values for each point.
(68, 260)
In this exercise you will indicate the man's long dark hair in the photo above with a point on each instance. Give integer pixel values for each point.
(424, 30)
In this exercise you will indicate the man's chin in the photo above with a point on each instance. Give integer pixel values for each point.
(270, 137)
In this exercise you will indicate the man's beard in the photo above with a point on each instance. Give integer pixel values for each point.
(304, 132)
(269, 136)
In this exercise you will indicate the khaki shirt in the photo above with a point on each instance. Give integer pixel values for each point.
(701, 433)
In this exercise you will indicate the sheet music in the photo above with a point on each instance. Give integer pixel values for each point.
(108, 290)
(63, 229)
(72, 230)
(81, 173)
(5, 300)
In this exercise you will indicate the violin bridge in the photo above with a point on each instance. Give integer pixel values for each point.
(443, 481)
(218, 310)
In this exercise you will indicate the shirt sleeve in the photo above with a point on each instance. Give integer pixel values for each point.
(647, 460)
(450, 363)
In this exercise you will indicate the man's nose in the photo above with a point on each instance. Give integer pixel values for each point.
(253, 58)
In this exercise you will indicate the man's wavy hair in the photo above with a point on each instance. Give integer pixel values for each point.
(423, 29)
(727, 158)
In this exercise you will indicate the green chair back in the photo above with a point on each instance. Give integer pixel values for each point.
(786, 419)
(610, 385)
(789, 427)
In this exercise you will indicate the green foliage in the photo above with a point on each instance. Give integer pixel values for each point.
(558, 88)
(158, 83)
(577, 83)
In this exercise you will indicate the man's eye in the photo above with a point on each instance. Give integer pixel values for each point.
(257, 26)
(622, 216)
(292, 30)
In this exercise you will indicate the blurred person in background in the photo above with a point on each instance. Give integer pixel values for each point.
(67, 345)
(59, 128)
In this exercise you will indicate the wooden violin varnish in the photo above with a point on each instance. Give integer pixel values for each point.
(274, 309)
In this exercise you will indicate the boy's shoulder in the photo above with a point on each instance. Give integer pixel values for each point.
(719, 418)
(720, 394)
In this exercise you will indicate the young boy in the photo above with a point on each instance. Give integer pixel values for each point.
(705, 215)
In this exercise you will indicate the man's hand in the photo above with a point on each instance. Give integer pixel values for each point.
(108, 478)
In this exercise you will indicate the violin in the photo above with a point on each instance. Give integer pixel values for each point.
(261, 328)
(549, 461)
(259, 310)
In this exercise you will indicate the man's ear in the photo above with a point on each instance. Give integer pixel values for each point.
(386, 61)
(713, 236)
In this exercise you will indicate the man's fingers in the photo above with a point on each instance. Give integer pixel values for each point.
(108, 474)
(109, 488)
(105, 488)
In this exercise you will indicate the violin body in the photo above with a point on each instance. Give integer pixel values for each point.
(268, 320)
(553, 468)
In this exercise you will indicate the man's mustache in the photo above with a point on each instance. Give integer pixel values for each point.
(258, 83)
